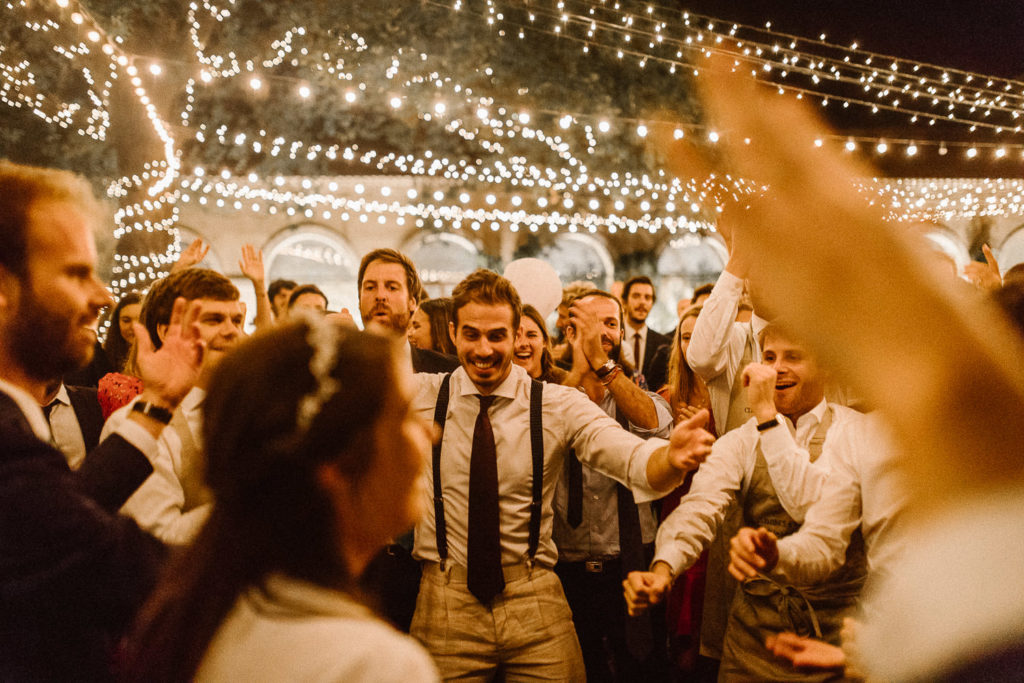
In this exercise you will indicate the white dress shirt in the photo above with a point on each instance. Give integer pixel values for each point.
(172, 504)
(726, 474)
(863, 489)
(598, 533)
(956, 593)
(291, 630)
(571, 420)
(133, 433)
(67, 433)
(717, 344)
(628, 343)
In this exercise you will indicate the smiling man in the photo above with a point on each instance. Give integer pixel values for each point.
(600, 531)
(771, 466)
(641, 342)
(488, 599)
(72, 572)
(173, 503)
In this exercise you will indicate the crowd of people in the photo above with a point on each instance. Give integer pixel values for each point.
(447, 490)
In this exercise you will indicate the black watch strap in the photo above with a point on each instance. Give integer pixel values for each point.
(152, 410)
(768, 424)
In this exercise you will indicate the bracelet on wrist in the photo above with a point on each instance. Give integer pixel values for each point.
(152, 410)
(768, 424)
(606, 369)
(610, 377)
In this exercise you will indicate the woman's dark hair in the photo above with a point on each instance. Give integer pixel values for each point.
(269, 515)
(115, 345)
(548, 371)
(439, 312)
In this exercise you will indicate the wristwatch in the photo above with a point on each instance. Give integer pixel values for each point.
(768, 424)
(153, 410)
(606, 369)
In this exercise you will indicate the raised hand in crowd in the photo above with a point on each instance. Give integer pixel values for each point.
(251, 267)
(752, 551)
(170, 372)
(985, 275)
(191, 255)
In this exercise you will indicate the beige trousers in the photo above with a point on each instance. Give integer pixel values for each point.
(526, 634)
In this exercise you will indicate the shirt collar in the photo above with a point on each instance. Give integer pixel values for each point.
(812, 417)
(517, 377)
(62, 395)
(193, 399)
(29, 408)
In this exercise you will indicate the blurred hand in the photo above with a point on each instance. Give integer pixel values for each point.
(985, 275)
(752, 551)
(251, 265)
(806, 653)
(170, 372)
(589, 328)
(759, 379)
(643, 589)
(690, 444)
(192, 254)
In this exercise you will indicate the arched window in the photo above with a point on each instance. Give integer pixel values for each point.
(1011, 252)
(443, 260)
(312, 254)
(685, 263)
(579, 257)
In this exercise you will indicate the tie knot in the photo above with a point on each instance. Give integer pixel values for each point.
(48, 408)
(486, 401)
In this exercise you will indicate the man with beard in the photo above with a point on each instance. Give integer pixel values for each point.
(173, 503)
(641, 342)
(72, 572)
(389, 290)
(600, 532)
(489, 600)
(771, 466)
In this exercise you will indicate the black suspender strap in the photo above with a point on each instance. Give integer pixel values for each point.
(440, 416)
(537, 454)
(537, 450)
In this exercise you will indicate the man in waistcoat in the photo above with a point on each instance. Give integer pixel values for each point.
(771, 467)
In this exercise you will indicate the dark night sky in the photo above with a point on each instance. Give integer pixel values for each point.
(985, 36)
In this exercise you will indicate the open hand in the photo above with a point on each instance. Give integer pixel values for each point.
(752, 551)
(170, 372)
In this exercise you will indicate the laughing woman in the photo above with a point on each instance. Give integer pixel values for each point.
(533, 350)
(313, 457)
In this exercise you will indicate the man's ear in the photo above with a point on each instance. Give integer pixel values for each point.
(161, 332)
(451, 330)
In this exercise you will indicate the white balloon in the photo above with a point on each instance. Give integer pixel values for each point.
(537, 284)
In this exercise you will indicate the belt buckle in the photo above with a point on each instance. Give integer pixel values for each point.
(594, 566)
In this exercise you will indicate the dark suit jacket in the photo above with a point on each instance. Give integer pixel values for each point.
(657, 376)
(88, 413)
(655, 340)
(425, 360)
(72, 571)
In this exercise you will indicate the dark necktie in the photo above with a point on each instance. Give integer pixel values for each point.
(636, 353)
(484, 578)
(47, 411)
(639, 633)
(639, 636)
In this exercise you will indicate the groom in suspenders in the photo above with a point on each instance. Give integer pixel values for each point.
(488, 599)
